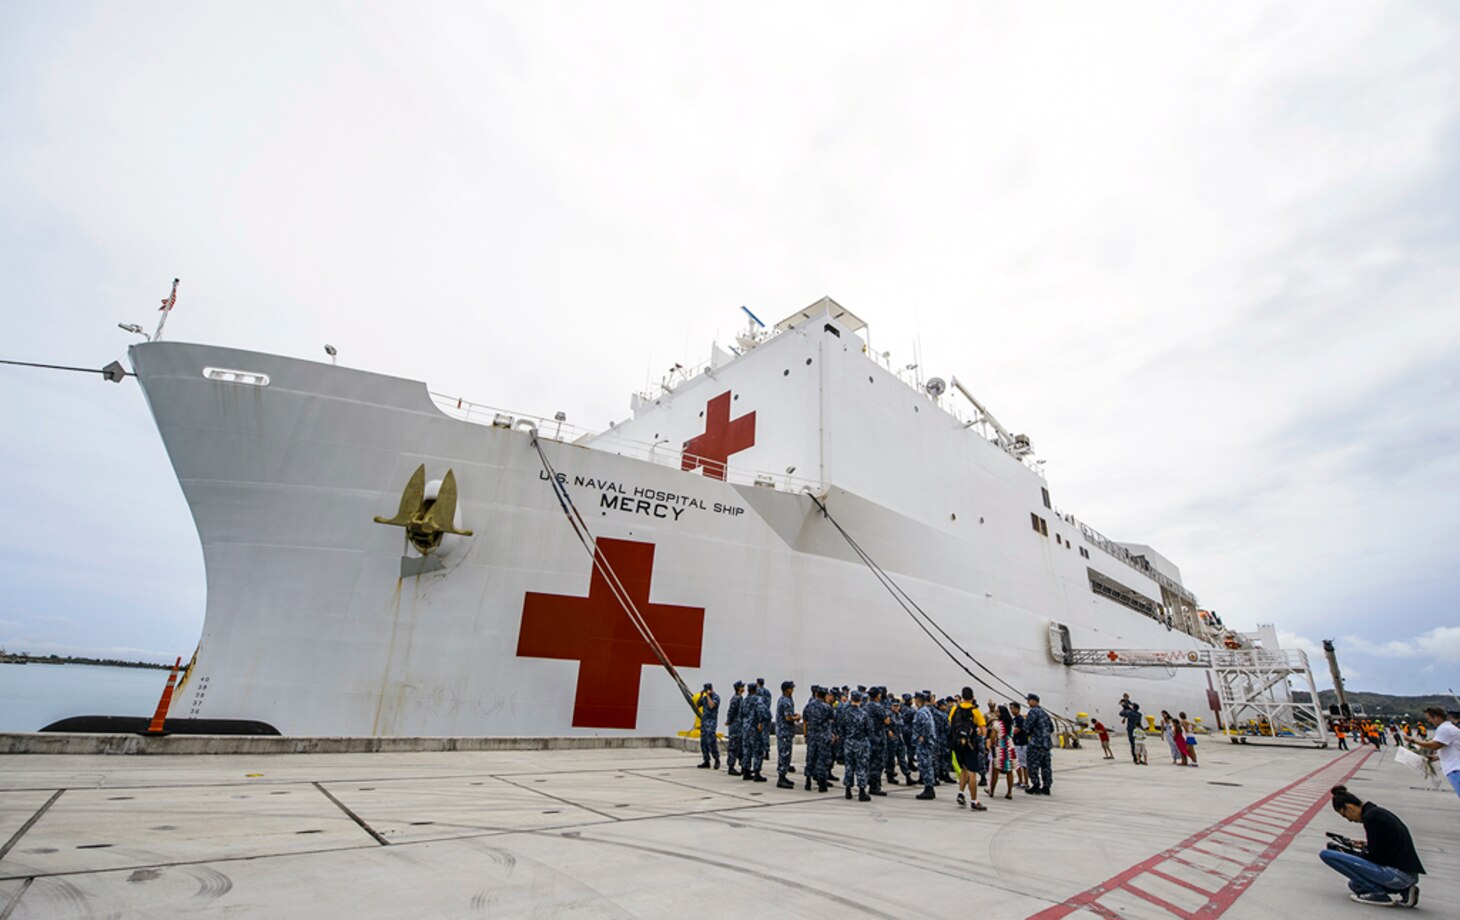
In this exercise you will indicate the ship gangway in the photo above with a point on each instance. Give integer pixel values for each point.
(1252, 686)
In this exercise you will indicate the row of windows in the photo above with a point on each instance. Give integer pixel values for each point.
(1126, 597)
(1041, 526)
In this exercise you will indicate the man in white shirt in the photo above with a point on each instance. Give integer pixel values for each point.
(1446, 741)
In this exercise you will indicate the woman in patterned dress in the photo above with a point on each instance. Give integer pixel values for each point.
(1001, 751)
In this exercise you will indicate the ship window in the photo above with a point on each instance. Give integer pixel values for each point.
(1046, 497)
(869, 378)
(1040, 524)
(785, 373)
(1034, 519)
(808, 362)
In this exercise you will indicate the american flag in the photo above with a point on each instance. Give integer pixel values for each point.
(171, 299)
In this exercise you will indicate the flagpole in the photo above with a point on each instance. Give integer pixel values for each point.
(167, 306)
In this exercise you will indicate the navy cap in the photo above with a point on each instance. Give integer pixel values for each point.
(709, 686)
(739, 684)
(788, 685)
(906, 697)
(760, 680)
(856, 696)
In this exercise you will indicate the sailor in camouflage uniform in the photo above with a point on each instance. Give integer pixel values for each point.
(816, 716)
(897, 743)
(908, 712)
(1040, 728)
(925, 743)
(755, 718)
(855, 730)
(877, 738)
(765, 733)
(732, 727)
(709, 721)
(788, 725)
(945, 748)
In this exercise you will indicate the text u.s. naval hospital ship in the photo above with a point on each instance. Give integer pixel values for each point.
(384, 561)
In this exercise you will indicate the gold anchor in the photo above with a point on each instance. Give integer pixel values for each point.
(426, 520)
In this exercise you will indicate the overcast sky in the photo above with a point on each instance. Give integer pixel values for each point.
(1207, 256)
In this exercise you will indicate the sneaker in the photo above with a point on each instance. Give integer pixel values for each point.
(1380, 900)
(961, 800)
(978, 806)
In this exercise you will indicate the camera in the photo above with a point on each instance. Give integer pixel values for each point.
(1345, 845)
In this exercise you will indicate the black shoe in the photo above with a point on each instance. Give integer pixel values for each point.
(759, 779)
(907, 778)
(892, 780)
(1044, 791)
(734, 772)
(927, 793)
(862, 795)
(961, 800)
(831, 778)
(1410, 896)
(717, 765)
(1034, 790)
(705, 765)
(808, 784)
(747, 776)
(875, 792)
(849, 793)
(784, 783)
(821, 787)
(790, 769)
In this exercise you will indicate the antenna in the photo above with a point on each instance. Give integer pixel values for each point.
(167, 304)
(753, 318)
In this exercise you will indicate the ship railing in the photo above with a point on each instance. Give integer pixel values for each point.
(658, 453)
(494, 416)
(661, 454)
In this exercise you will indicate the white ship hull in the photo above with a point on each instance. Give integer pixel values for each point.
(316, 624)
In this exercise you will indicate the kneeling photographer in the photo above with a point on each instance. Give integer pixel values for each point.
(1382, 870)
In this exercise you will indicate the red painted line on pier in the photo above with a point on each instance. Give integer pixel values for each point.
(1309, 794)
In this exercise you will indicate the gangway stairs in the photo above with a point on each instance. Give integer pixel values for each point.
(1252, 684)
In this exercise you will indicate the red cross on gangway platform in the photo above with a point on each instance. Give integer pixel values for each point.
(596, 632)
(722, 437)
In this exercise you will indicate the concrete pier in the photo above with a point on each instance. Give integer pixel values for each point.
(641, 832)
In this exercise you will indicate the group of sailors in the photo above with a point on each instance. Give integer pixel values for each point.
(875, 734)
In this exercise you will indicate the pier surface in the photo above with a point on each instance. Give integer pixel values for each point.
(643, 833)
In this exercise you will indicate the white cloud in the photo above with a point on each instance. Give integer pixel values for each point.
(1441, 643)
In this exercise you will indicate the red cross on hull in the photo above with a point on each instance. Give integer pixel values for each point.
(596, 632)
(721, 438)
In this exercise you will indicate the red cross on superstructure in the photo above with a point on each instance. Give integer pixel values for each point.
(596, 632)
(722, 437)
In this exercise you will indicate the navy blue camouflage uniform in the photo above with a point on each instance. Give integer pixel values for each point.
(925, 741)
(855, 729)
(755, 717)
(732, 731)
(877, 754)
(817, 715)
(709, 722)
(785, 734)
(1040, 728)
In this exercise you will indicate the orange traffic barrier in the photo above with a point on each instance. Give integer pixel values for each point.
(160, 716)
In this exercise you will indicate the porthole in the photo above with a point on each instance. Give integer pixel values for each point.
(808, 362)
(785, 373)
(869, 378)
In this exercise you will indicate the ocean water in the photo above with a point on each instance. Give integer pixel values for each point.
(35, 695)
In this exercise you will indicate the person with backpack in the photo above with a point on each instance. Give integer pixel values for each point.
(966, 730)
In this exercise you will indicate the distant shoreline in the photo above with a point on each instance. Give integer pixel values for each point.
(72, 659)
